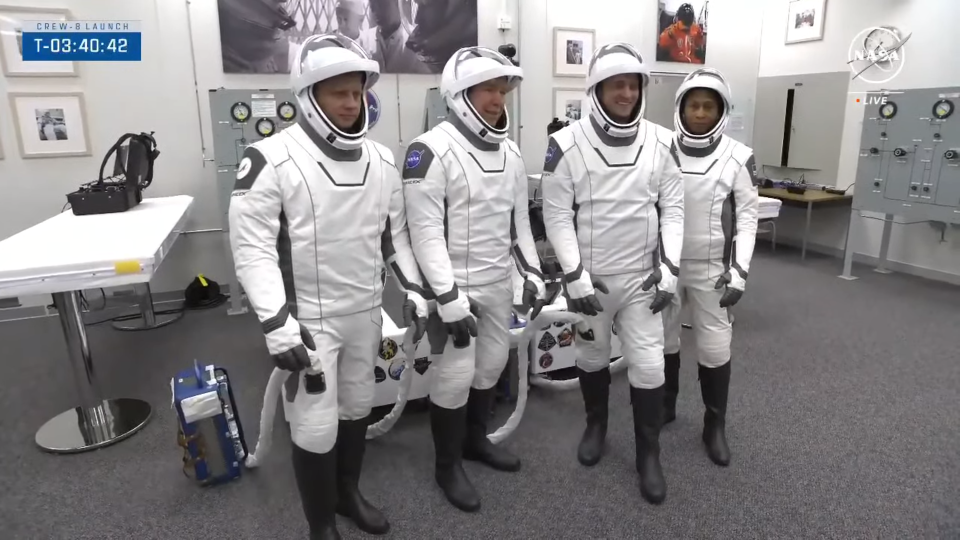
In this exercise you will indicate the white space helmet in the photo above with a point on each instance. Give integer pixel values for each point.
(609, 61)
(710, 79)
(322, 57)
(469, 67)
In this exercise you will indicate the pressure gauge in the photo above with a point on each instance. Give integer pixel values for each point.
(943, 109)
(265, 127)
(287, 111)
(240, 111)
(888, 110)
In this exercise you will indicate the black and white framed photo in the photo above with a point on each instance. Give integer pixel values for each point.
(682, 31)
(50, 124)
(805, 20)
(569, 104)
(403, 36)
(11, 43)
(572, 49)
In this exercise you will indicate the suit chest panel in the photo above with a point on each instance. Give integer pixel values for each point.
(707, 180)
(615, 176)
(481, 183)
(348, 200)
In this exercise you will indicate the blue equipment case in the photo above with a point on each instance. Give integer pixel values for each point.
(210, 430)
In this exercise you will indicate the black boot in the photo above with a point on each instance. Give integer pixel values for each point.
(671, 386)
(595, 388)
(714, 387)
(476, 446)
(647, 418)
(449, 427)
(316, 476)
(351, 444)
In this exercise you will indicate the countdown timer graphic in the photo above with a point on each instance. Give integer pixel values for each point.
(81, 41)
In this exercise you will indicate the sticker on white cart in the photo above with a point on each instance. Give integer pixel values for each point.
(546, 360)
(547, 342)
(388, 349)
(379, 374)
(395, 369)
(566, 338)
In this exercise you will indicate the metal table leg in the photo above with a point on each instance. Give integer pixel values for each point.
(96, 422)
(885, 244)
(848, 247)
(147, 320)
(806, 231)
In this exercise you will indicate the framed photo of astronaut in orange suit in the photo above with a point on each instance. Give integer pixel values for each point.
(682, 31)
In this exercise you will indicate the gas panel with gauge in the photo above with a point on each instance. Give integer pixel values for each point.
(909, 163)
(241, 118)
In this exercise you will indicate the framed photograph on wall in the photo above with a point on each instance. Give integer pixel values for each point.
(682, 31)
(11, 43)
(572, 49)
(50, 124)
(805, 20)
(569, 104)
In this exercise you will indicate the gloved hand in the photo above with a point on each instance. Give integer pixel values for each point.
(533, 293)
(582, 297)
(415, 313)
(460, 317)
(666, 282)
(288, 345)
(735, 285)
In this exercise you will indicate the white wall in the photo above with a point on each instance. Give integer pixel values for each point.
(158, 94)
(930, 62)
(732, 47)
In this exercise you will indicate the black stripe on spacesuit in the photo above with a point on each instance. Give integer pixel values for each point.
(660, 254)
(449, 296)
(693, 151)
(388, 251)
(694, 173)
(618, 165)
(276, 322)
(728, 224)
(251, 165)
(366, 171)
(522, 265)
(446, 223)
(502, 168)
(673, 152)
(575, 275)
(751, 167)
(553, 157)
(285, 262)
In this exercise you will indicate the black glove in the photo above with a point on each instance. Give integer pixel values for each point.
(732, 293)
(465, 328)
(410, 317)
(530, 300)
(296, 358)
(588, 305)
(663, 297)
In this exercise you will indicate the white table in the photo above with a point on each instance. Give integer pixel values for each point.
(66, 254)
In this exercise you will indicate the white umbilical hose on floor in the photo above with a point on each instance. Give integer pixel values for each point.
(272, 396)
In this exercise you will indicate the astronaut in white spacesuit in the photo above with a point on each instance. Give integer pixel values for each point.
(720, 228)
(316, 214)
(613, 211)
(466, 192)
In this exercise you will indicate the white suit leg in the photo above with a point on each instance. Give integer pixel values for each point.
(711, 323)
(493, 331)
(313, 417)
(593, 336)
(452, 368)
(641, 334)
(361, 334)
(672, 322)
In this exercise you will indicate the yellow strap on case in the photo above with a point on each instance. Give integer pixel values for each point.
(202, 280)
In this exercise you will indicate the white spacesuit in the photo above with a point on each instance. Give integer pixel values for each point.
(720, 227)
(316, 213)
(466, 193)
(613, 210)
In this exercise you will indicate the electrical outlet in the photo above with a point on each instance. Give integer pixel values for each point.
(504, 22)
